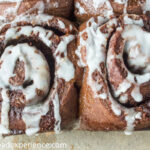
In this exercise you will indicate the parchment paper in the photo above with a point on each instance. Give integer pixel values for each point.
(81, 140)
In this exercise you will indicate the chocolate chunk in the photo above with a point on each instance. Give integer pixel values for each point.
(19, 70)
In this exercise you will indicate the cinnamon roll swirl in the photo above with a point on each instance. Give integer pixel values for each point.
(38, 72)
(116, 86)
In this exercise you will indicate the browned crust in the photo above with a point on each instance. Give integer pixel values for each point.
(95, 114)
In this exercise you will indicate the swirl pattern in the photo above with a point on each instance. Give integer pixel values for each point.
(115, 90)
(37, 72)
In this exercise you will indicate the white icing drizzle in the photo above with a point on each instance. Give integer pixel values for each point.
(4, 125)
(32, 113)
(109, 9)
(136, 94)
(61, 24)
(123, 98)
(13, 33)
(120, 1)
(128, 21)
(116, 109)
(123, 87)
(95, 46)
(57, 114)
(36, 69)
(80, 9)
(125, 6)
(130, 119)
(39, 19)
(146, 6)
(66, 68)
(103, 95)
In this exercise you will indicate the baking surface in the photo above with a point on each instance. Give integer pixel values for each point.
(81, 140)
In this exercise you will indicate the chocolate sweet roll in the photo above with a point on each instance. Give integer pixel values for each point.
(115, 91)
(84, 9)
(38, 73)
(11, 8)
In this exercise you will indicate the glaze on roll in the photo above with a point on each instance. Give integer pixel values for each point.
(115, 89)
(38, 73)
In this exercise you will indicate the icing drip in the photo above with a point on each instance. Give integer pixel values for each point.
(4, 125)
(32, 115)
(123, 87)
(97, 3)
(123, 98)
(129, 21)
(120, 1)
(96, 40)
(66, 68)
(125, 7)
(130, 119)
(57, 114)
(61, 24)
(136, 94)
